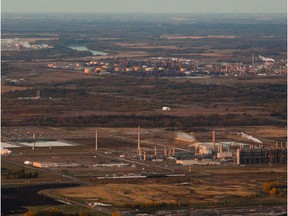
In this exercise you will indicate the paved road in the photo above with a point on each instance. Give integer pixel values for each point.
(67, 201)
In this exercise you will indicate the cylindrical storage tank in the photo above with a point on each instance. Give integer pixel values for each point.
(182, 69)
(98, 69)
(86, 70)
(116, 69)
(136, 68)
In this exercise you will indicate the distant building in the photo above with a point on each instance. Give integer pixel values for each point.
(197, 162)
(86, 70)
(5, 151)
(224, 155)
(262, 156)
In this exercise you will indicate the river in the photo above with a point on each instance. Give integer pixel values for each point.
(13, 199)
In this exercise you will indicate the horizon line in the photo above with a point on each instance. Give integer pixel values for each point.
(101, 12)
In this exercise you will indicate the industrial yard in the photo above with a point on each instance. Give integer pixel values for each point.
(169, 169)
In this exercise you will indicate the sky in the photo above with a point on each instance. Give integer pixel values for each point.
(146, 6)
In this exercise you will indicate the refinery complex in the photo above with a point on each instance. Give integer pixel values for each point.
(165, 67)
(183, 149)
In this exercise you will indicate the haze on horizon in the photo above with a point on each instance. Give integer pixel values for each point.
(145, 6)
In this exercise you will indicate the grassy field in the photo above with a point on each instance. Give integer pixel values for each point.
(233, 185)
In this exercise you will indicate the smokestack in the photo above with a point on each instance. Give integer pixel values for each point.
(253, 59)
(34, 144)
(238, 156)
(96, 140)
(155, 152)
(144, 156)
(213, 139)
(139, 148)
(165, 152)
(221, 148)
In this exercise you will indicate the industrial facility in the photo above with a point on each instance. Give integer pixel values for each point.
(276, 155)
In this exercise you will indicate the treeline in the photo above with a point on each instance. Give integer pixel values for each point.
(144, 120)
(20, 174)
(275, 188)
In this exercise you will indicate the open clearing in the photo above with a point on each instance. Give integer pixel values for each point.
(203, 185)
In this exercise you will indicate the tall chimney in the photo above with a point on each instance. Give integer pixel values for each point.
(238, 156)
(165, 152)
(34, 144)
(139, 148)
(96, 140)
(155, 151)
(213, 139)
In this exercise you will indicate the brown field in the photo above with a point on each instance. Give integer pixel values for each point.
(5, 88)
(146, 46)
(203, 185)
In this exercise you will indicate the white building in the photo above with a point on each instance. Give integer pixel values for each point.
(166, 108)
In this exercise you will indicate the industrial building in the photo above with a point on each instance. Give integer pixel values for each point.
(262, 156)
(53, 164)
(197, 162)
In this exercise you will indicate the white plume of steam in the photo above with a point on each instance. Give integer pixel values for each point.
(186, 137)
(249, 137)
(266, 59)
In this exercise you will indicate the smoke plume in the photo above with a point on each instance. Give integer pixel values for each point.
(266, 59)
(186, 137)
(249, 137)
